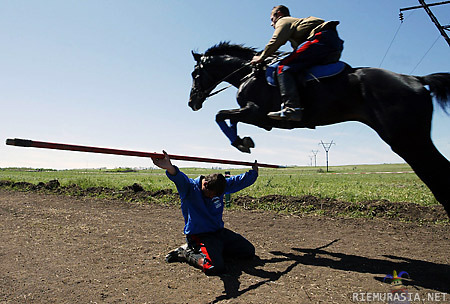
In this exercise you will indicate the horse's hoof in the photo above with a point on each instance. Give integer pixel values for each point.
(239, 144)
(243, 148)
(248, 142)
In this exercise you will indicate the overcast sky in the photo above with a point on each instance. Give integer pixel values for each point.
(117, 74)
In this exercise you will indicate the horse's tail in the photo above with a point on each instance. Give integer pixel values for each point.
(439, 84)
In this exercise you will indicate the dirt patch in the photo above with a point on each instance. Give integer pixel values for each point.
(81, 249)
(404, 211)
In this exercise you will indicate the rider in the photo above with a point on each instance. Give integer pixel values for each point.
(314, 42)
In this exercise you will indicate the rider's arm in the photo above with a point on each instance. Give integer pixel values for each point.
(281, 35)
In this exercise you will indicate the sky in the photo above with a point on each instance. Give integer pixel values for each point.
(116, 74)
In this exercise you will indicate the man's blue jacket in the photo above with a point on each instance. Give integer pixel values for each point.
(202, 214)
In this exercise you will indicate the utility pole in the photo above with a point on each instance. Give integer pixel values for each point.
(327, 147)
(433, 18)
(315, 156)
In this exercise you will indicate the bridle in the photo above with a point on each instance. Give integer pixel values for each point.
(203, 92)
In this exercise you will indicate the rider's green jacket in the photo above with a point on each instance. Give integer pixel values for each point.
(294, 30)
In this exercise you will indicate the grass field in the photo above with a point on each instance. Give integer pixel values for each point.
(392, 182)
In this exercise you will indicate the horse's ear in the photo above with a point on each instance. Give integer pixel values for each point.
(197, 56)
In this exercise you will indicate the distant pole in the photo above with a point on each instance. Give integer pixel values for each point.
(433, 18)
(327, 147)
(315, 156)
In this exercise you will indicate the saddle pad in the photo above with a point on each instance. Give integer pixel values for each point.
(315, 72)
(326, 70)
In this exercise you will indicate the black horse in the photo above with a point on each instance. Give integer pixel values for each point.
(398, 107)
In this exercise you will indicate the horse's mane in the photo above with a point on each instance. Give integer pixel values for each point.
(235, 50)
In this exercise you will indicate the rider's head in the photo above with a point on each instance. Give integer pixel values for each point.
(278, 12)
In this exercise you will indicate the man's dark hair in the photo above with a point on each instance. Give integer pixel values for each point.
(216, 182)
(282, 9)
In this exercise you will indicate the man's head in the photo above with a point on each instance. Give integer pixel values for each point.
(278, 12)
(213, 185)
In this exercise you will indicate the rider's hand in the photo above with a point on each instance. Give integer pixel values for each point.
(256, 59)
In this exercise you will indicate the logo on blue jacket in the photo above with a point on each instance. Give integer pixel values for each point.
(217, 202)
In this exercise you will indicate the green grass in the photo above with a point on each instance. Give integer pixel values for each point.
(295, 181)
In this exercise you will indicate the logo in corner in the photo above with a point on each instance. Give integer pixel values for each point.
(399, 291)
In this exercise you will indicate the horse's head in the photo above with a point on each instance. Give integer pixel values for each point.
(202, 83)
(219, 63)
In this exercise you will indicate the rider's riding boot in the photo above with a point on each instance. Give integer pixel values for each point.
(290, 108)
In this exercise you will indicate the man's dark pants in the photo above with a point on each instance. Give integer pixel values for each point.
(214, 247)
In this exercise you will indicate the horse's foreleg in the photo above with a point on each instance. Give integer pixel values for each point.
(230, 130)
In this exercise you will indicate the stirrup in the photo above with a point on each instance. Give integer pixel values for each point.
(288, 113)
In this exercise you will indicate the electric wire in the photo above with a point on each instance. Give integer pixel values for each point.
(395, 35)
(439, 36)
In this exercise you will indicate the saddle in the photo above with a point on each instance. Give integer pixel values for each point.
(313, 73)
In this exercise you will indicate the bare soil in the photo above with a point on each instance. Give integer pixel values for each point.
(79, 249)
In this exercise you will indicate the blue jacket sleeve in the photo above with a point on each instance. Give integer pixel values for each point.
(182, 182)
(238, 182)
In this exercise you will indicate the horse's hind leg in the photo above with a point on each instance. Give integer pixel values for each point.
(401, 113)
(429, 165)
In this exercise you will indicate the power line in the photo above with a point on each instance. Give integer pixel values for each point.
(410, 73)
(395, 35)
(389, 47)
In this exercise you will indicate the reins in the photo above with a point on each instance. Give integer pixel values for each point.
(277, 59)
(224, 78)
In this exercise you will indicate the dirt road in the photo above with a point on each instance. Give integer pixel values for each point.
(60, 249)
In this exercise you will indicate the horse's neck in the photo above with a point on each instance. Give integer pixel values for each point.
(234, 71)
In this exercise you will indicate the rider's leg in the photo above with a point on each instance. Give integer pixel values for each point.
(287, 73)
(291, 108)
(324, 47)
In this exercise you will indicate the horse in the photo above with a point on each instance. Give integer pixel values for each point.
(398, 107)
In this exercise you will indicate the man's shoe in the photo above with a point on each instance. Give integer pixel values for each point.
(177, 255)
(291, 114)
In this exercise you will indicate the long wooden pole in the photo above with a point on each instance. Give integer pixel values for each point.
(58, 146)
